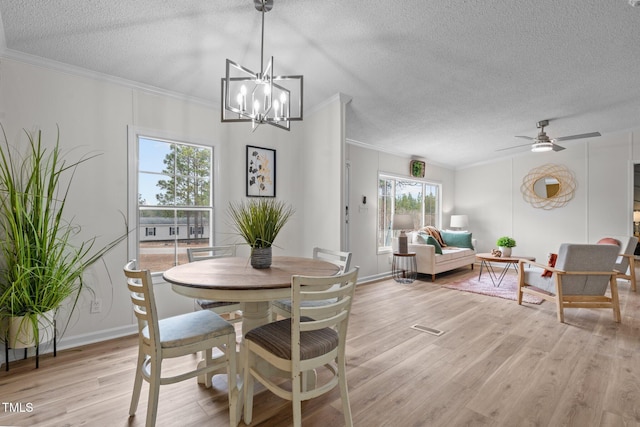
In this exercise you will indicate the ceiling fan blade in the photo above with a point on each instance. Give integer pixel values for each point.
(581, 136)
(515, 146)
(557, 147)
(525, 137)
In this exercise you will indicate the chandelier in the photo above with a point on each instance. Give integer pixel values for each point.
(261, 97)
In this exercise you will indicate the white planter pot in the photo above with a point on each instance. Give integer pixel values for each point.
(21, 330)
(506, 252)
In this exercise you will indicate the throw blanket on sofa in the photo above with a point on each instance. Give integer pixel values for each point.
(435, 233)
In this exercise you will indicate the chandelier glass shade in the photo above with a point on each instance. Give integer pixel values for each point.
(261, 97)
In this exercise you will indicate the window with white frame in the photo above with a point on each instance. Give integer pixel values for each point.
(173, 183)
(420, 199)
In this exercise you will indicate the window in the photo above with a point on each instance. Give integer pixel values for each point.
(196, 230)
(420, 199)
(173, 183)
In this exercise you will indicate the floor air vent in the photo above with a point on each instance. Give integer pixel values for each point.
(428, 330)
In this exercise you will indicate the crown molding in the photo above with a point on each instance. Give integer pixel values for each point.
(50, 64)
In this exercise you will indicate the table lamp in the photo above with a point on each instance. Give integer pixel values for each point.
(459, 222)
(636, 220)
(402, 222)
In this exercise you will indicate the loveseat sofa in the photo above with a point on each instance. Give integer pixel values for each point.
(433, 258)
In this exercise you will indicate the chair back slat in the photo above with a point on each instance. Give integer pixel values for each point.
(341, 259)
(325, 322)
(144, 305)
(209, 252)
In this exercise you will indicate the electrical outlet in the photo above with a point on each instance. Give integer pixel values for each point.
(96, 305)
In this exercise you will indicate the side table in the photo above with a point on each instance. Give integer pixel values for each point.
(404, 268)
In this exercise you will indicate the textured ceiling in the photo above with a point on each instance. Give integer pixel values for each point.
(449, 81)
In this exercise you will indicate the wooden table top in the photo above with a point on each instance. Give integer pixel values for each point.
(514, 258)
(236, 273)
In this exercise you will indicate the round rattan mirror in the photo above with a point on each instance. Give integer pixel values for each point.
(548, 186)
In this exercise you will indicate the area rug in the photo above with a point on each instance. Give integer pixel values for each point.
(507, 289)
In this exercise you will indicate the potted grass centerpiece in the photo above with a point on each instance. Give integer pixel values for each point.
(42, 264)
(258, 222)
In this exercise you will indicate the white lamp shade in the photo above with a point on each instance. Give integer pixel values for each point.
(636, 216)
(459, 221)
(402, 222)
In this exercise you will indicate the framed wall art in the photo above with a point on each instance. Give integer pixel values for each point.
(261, 172)
(417, 167)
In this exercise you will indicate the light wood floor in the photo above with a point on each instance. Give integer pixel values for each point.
(497, 364)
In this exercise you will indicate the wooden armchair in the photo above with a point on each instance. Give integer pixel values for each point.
(626, 263)
(579, 279)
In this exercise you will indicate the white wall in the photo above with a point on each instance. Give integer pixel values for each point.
(321, 169)
(603, 168)
(94, 115)
(365, 164)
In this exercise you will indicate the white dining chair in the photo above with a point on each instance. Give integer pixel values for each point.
(177, 336)
(341, 259)
(313, 338)
(230, 308)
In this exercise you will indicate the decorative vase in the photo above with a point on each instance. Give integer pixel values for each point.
(261, 257)
(506, 252)
(21, 333)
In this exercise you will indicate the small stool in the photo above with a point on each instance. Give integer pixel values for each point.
(404, 268)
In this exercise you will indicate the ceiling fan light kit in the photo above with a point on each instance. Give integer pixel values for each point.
(540, 147)
(261, 97)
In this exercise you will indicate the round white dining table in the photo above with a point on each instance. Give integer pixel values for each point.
(233, 279)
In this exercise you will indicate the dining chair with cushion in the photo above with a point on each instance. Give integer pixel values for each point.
(313, 338)
(177, 336)
(221, 307)
(580, 278)
(341, 259)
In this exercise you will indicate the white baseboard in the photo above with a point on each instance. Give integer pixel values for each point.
(374, 277)
(67, 342)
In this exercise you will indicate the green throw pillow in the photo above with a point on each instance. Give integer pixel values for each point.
(458, 239)
(430, 240)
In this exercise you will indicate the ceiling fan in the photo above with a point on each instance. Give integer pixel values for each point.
(542, 142)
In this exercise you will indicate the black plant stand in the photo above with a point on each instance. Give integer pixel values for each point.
(6, 348)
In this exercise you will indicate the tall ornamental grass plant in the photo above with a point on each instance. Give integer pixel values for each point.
(259, 221)
(41, 266)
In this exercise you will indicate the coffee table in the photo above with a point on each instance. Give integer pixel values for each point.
(485, 262)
